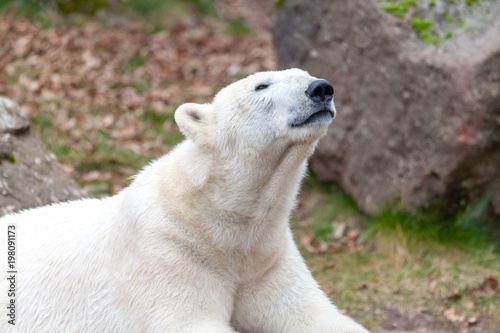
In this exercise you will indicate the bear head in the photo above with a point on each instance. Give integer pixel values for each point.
(264, 112)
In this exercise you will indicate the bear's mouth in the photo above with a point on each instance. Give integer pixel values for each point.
(317, 117)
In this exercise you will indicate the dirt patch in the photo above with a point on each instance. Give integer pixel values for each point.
(412, 321)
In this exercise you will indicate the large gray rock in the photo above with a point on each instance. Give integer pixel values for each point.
(30, 175)
(415, 120)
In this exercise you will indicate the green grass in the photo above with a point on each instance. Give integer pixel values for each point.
(155, 9)
(137, 61)
(89, 7)
(106, 156)
(342, 203)
(161, 126)
(158, 118)
(132, 63)
(433, 228)
(322, 229)
(142, 87)
(26, 7)
(362, 282)
(403, 254)
(335, 204)
(238, 28)
(156, 12)
(43, 119)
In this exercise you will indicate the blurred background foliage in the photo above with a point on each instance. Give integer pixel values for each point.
(146, 8)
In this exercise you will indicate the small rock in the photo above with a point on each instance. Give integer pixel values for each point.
(352, 236)
(338, 232)
(472, 321)
(11, 119)
(6, 148)
(452, 316)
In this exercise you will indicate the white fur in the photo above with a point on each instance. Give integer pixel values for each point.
(199, 242)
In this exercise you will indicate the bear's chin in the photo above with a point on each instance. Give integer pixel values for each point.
(318, 118)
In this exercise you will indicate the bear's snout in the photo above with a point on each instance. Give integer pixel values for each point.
(320, 91)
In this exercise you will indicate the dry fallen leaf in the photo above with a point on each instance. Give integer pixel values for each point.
(455, 295)
(433, 289)
(96, 175)
(338, 231)
(306, 240)
(321, 247)
(490, 286)
(352, 237)
(330, 264)
(452, 316)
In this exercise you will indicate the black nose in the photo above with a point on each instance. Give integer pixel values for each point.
(320, 91)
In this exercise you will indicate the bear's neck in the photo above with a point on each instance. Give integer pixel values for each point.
(262, 187)
(231, 203)
(256, 194)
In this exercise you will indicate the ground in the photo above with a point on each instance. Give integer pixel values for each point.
(101, 94)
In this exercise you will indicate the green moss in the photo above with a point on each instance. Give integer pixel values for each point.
(423, 27)
(399, 8)
(449, 19)
(431, 39)
(421, 24)
(11, 158)
(279, 3)
(432, 4)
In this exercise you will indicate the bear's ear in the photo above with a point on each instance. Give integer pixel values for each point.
(195, 121)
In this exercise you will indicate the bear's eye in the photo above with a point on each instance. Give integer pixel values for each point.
(261, 87)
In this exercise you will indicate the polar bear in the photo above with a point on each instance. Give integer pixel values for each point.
(199, 242)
